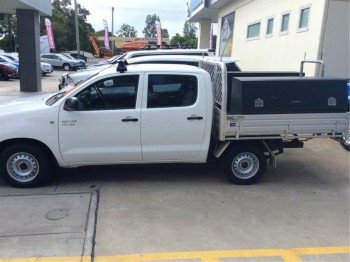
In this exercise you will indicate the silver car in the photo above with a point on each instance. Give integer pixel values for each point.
(61, 61)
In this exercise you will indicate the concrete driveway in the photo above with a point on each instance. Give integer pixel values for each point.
(297, 212)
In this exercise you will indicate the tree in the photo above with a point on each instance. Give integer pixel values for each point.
(8, 27)
(150, 30)
(190, 30)
(189, 38)
(126, 31)
(177, 40)
(165, 33)
(63, 25)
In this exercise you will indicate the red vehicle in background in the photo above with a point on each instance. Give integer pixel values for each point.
(8, 71)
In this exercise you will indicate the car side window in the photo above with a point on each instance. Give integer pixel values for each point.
(113, 93)
(171, 91)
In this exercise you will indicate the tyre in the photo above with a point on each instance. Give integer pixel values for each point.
(1, 75)
(244, 164)
(27, 165)
(66, 67)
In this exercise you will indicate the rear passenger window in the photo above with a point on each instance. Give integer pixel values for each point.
(171, 91)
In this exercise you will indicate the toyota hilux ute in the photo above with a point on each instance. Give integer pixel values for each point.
(139, 114)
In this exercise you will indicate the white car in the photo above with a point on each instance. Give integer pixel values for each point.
(77, 77)
(46, 68)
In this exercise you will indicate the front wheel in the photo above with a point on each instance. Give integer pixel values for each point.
(26, 165)
(244, 165)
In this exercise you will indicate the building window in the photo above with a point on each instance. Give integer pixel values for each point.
(253, 31)
(285, 23)
(269, 28)
(304, 19)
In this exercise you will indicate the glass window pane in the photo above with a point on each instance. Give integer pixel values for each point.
(304, 18)
(269, 27)
(171, 91)
(110, 94)
(253, 30)
(285, 23)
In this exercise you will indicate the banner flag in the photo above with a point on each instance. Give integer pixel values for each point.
(159, 33)
(211, 38)
(49, 34)
(106, 35)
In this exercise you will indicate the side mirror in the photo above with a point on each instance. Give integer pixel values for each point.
(71, 104)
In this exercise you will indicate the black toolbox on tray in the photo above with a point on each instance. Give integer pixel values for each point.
(286, 95)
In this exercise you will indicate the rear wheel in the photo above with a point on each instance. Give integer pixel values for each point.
(66, 67)
(244, 164)
(26, 165)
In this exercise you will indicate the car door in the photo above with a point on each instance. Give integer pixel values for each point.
(106, 127)
(56, 61)
(173, 117)
(48, 59)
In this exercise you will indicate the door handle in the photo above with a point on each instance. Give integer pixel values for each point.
(195, 118)
(129, 119)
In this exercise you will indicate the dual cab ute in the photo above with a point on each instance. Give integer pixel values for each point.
(166, 114)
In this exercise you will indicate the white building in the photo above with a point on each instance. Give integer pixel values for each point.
(278, 34)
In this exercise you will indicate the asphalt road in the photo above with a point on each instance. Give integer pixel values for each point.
(297, 212)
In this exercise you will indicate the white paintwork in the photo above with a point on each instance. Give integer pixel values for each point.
(177, 138)
(75, 77)
(78, 138)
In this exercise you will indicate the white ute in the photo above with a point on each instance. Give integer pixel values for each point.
(146, 114)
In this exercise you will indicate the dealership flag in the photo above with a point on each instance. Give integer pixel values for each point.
(159, 33)
(211, 38)
(49, 33)
(106, 34)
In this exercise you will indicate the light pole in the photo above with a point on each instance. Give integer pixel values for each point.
(112, 30)
(77, 27)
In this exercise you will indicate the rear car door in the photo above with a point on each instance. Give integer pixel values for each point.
(173, 117)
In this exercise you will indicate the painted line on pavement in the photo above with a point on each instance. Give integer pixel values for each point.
(289, 255)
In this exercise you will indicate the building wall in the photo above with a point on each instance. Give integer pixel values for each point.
(335, 46)
(282, 51)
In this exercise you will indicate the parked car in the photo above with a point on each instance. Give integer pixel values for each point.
(76, 77)
(134, 54)
(8, 71)
(60, 61)
(5, 59)
(81, 54)
(81, 61)
(11, 56)
(46, 68)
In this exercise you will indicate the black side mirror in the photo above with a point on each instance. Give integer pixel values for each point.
(71, 104)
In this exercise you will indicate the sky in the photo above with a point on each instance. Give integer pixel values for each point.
(172, 13)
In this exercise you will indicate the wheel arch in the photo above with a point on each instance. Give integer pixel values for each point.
(9, 142)
(258, 144)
